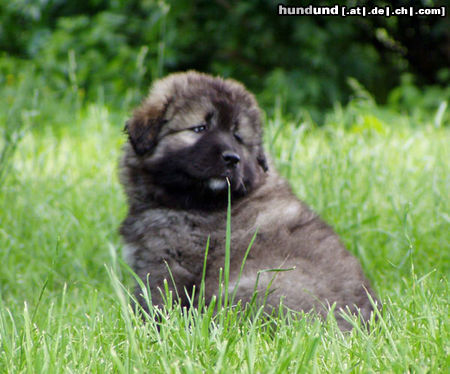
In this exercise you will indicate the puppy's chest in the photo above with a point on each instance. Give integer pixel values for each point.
(179, 232)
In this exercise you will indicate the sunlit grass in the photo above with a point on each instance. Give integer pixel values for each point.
(63, 287)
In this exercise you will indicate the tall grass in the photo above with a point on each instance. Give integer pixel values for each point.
(64, 289)
(19, 110)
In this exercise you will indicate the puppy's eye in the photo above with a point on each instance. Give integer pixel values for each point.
(200, 128)
(238, 137)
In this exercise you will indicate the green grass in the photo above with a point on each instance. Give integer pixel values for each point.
(385, 188)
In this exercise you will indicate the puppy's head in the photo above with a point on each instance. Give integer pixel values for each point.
(195, 131)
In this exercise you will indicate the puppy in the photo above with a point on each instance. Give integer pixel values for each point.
(190, 137)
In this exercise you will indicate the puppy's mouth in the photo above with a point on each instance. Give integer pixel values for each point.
(220, 185)
(217, 184)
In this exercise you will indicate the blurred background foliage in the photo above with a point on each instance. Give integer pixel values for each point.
(111, 50)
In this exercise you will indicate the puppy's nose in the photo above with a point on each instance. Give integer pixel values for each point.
(231, 158)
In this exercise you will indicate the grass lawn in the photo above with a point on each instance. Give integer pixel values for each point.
(384, 187)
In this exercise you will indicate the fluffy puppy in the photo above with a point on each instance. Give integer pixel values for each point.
(191, 135)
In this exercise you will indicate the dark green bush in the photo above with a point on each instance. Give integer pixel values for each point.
(112, 49)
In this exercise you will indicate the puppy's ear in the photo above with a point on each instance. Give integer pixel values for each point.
(262, 161)
(143, 130)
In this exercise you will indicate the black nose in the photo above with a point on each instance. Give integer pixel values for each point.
(231, 158)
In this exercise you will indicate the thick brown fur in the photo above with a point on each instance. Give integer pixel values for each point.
(189, 135)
